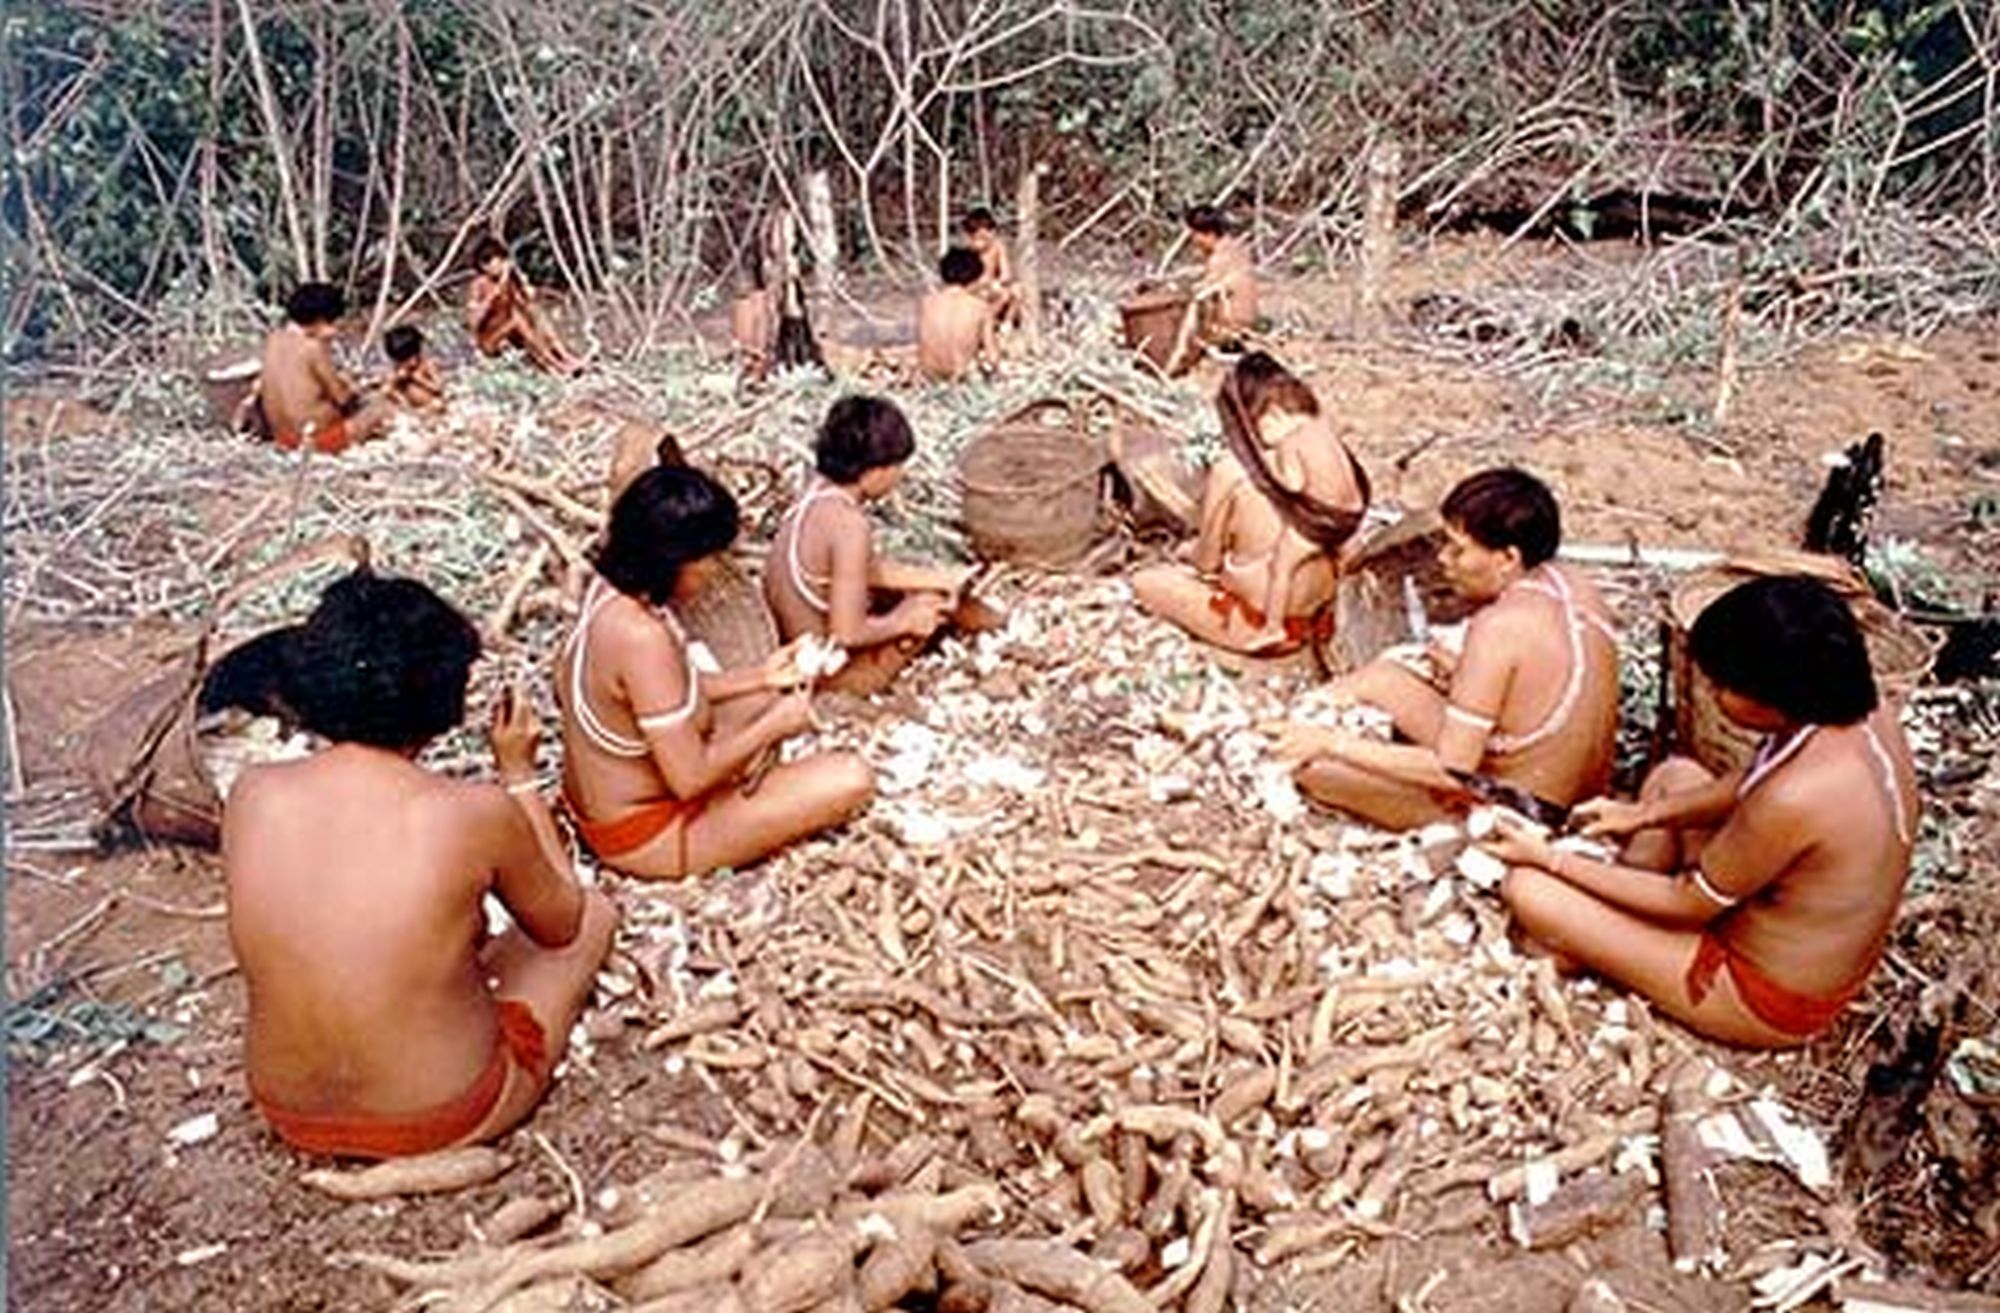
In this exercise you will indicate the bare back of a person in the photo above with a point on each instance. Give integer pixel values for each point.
(1308, 458)
(753, 325)
(951, 328)
(354, 897)
(804, 546)
(1849, 808)
(602, 782)
(1230, 268)
(291, 384)
(1556, 730)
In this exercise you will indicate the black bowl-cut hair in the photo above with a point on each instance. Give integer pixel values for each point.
(403, 343)
(861, 434)
(1507, 507)
(1207, 219)
(487, 248)
(667, 517)
(381, 661)
(315, 303)
(980, 219)
(961, 266)
(1790, 643)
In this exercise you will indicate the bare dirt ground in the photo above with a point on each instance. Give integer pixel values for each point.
(125, 1019)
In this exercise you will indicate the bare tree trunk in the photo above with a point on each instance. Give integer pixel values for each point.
(398, 169)
(212, 238)
(281, 151)
(1378, 238)
(821, 234)
(324, 107)
(1027, 256)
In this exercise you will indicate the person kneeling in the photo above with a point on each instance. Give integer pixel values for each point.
(1276, 511)
(822, 574)
(1531, 701)
(379, 1025)
(656, 736)
(1753, 907)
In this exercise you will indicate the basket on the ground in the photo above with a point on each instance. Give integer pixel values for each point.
(1899, 652)
(1392, 584)
(1029, 487)
(1166, 490)
(730, 615)
(227, 382)
(1157, 327)
(142, 755)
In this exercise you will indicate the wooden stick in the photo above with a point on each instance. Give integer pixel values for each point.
(1694, 1205)
(728, 423)
(1726, 368)
(572, 554)
(531, 570)
(545, 490)
(1028, 264)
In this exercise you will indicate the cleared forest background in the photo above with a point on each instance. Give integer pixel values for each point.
(171, 161)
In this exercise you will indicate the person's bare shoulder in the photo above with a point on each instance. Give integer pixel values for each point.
(1505, 621)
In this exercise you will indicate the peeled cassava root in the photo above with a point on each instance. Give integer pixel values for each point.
(741, 1244)
(431, 1173)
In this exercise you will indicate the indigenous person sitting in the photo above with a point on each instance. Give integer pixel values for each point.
(822, 575)
(379, 1023)
(1275, 513)
(1532, 700)
(1226, 292)
(657, 738)
(996, 276)
(500, 312)
(414, 382)
(955, 322)
(1753, 907)
(305, 399)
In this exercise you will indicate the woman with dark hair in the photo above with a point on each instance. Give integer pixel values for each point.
(379, 1026)
(823, 576)
(1752, 907)
(655, 734)
(1274, 515)
(1532, 700)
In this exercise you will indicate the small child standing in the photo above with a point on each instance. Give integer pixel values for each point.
(822, 567)
(414, 382)
(955, 322)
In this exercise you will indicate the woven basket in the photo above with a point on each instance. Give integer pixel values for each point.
(142, 756)
(1389, 570)
(1899, 652)
(730, 615)
(1029, 487)
(226, 383)
(1153, 322)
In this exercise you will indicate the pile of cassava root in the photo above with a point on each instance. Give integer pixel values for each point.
(1084, 1014)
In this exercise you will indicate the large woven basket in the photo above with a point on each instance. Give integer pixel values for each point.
(1155, 327)
(1899, 652)
(1392, 572)
(730, 615)
(226, 383)
(1030, 487)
